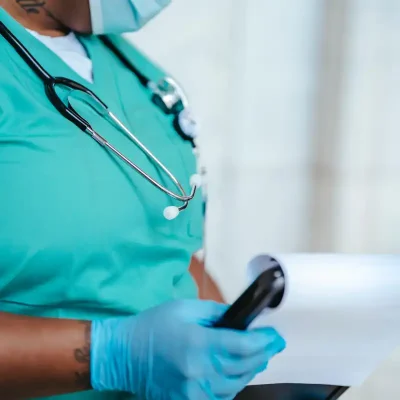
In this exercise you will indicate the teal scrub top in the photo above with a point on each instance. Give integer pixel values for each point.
(81, 234)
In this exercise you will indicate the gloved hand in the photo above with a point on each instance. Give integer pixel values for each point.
(172, 352)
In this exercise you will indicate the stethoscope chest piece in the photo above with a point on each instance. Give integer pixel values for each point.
(168, 95)
(171, 99)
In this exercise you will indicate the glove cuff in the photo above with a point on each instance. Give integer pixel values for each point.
(108, 356)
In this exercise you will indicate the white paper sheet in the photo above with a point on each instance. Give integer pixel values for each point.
(340, 317)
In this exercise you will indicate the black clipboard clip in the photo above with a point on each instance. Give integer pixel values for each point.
(267, 291)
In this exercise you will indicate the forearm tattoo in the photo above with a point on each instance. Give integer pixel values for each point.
(82, 356)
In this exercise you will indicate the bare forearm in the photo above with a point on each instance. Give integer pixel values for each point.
(43, 357)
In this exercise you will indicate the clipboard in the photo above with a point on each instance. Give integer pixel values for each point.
(292, 392)
(267, 291)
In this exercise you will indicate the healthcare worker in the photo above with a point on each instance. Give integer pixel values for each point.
(96, 298)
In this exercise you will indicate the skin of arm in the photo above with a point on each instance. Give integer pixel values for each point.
(42, 357)
(208, 289)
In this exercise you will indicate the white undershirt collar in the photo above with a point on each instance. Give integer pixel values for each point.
(71, 51)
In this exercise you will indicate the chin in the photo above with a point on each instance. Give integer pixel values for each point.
(85, 29)
(77, 17)
(78, 23)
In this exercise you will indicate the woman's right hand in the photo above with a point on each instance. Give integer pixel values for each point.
(172, 352)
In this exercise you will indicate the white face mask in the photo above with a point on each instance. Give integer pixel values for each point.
(121, 16)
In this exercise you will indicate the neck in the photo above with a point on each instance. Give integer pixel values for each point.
(35, 15)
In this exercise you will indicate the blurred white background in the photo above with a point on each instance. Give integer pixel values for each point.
(299, 103)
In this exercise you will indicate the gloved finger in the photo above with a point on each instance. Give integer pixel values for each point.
(199, 389)
(205, 390)
(248, 343)
(233, 367)
(230, 387)
(230, 397)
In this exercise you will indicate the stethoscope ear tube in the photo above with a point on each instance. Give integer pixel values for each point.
(24, 54)
(68, 111)
(121, 56)
(168, 94)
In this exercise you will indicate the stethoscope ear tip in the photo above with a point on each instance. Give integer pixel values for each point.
(171, 213)
(195, 180)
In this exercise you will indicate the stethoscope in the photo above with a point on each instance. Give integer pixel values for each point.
(166, 94)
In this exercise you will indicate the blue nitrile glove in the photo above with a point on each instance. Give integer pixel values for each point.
(171, 352)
